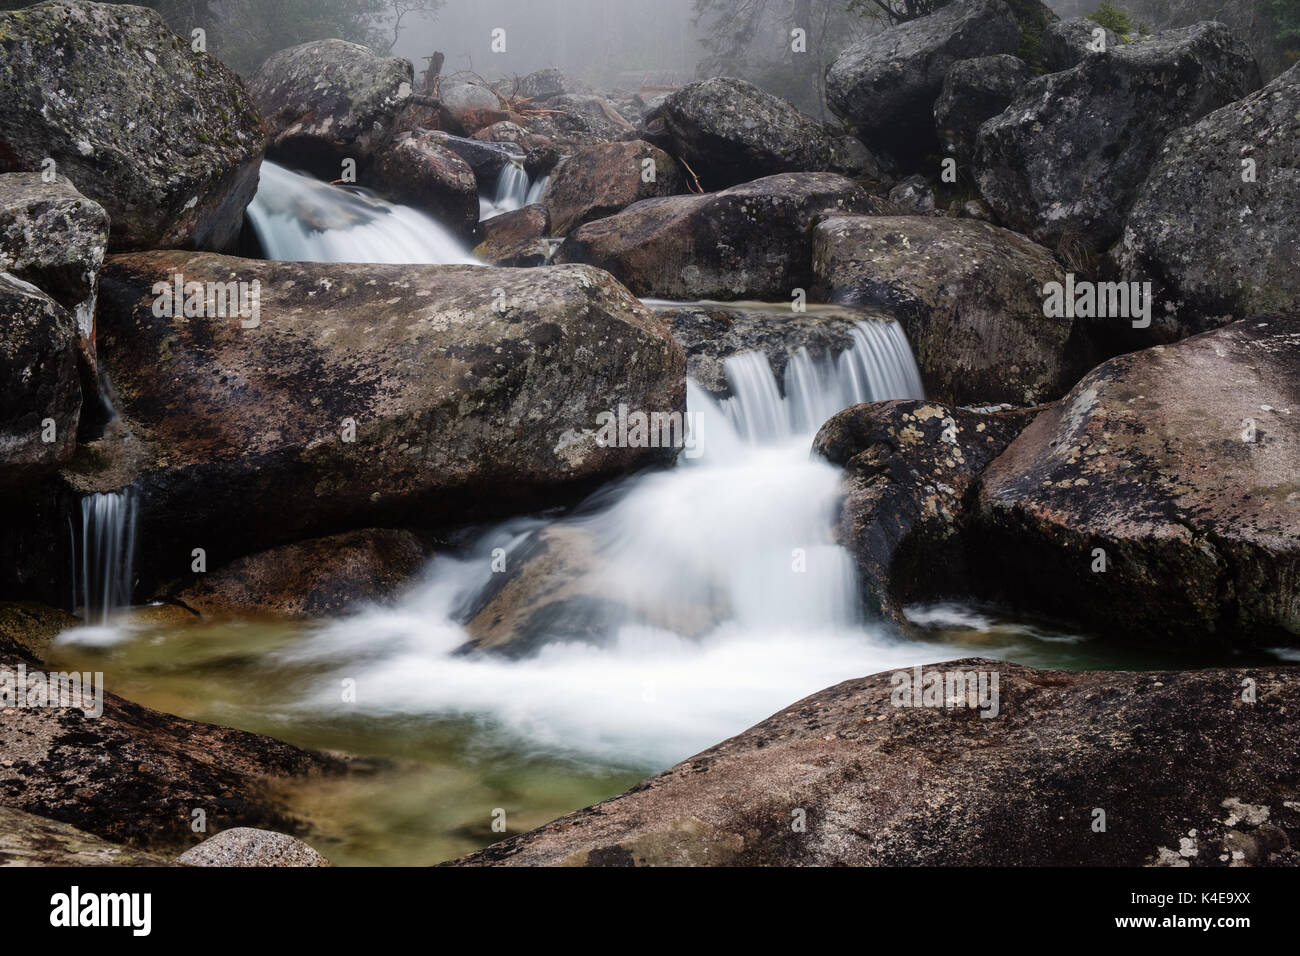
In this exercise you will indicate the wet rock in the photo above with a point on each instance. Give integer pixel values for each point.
(601, 180)
(1064, 162)
(750, 241)
(968, 294)
(1174, 469)
(516, 238)
(729, 132)
(485, 159)
(886, 85)
(1068, 42)
(27, 628)
(910, 470)
(330, 100)
(321, 577)
(372, 396)
(1212, 223)
(418, 171)
(247, 846)
(29, 840)
(942, 786)
(165, 139)
(40, 387)
(582, 120)
(974, 91)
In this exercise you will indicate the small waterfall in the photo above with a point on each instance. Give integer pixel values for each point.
(537, 190)
(512, 192)
(301, 219)
(106, 553)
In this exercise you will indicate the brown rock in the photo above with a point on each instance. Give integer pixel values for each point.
(516, 238)
(600, 180)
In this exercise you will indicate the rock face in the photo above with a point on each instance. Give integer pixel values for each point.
(55, 238)
(29, 840)
(1179, 462)
(73, 78)
(968, 294)
(974, 91)
(750, 241)
(910, 469)
(372, 395)
(330, 100)
(246, 846)
(321, 577)
(1214, 242)
(516, 238)
(600, 180)
(420, 172)
(1067, 43)
(887, 785)
(729, 131)
(1064, 162)
(40, 389)
(886, 84)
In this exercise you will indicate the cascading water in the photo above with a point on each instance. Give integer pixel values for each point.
(106, 553)
(512, 191)
(706, 597)
(300, 219)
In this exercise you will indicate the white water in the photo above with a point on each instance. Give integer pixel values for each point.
(301, 219)
(718, 628)
(105, 553)
(513, 191)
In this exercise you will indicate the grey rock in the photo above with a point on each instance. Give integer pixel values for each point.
(974, 91)
(247, 846)
(1067, 43)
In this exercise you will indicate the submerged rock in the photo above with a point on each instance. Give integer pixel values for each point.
(848, 777)
(599, 181)
(1214, 222)
(330, 100)
(418, 171)
(1161, 497)
(910, 468)
(165, 139)
(372, 395)
(1064, 162)
(968, 294)
(247, 846)
(750, 241)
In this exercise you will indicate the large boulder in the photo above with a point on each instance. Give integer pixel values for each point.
(1160, 498)
(968, 294)
(40, 388)
(729, 131)
(1067, 43)
(1064, 162)
(974, 91)
(852, 777)
(165, 139)
(598, 181)
(55, 238)
(417, 170)
(886, 84)
(749, 241)
(909, 470)
(1217, 216)
(516, 238)
(485, 159)
(320, 577)
(330, 100)
(370, 396)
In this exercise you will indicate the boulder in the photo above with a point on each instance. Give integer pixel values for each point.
(749, 241)
(1068, 42)
(416, 170)
(516, 238)
(886, 84)
(29, 840)
(974, 91)
(248, 846)
(875, 783)
(601, 180)
(485, 159)
(1064, 162)
(467, 103)
(370, 396)
(1174, 469)
(914, 196)
(55, 238)
(910, 468)
(582, 120)
(40, 386)
(729, 132)
(165, 139)
(968, 294)
(1214, 220)
(330, 100)
(544, 84)
(320, 577)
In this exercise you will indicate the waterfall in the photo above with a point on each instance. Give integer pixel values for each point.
(106, 553)
(695, 599)
(537, 190)
(512, 192)
(301, 219)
